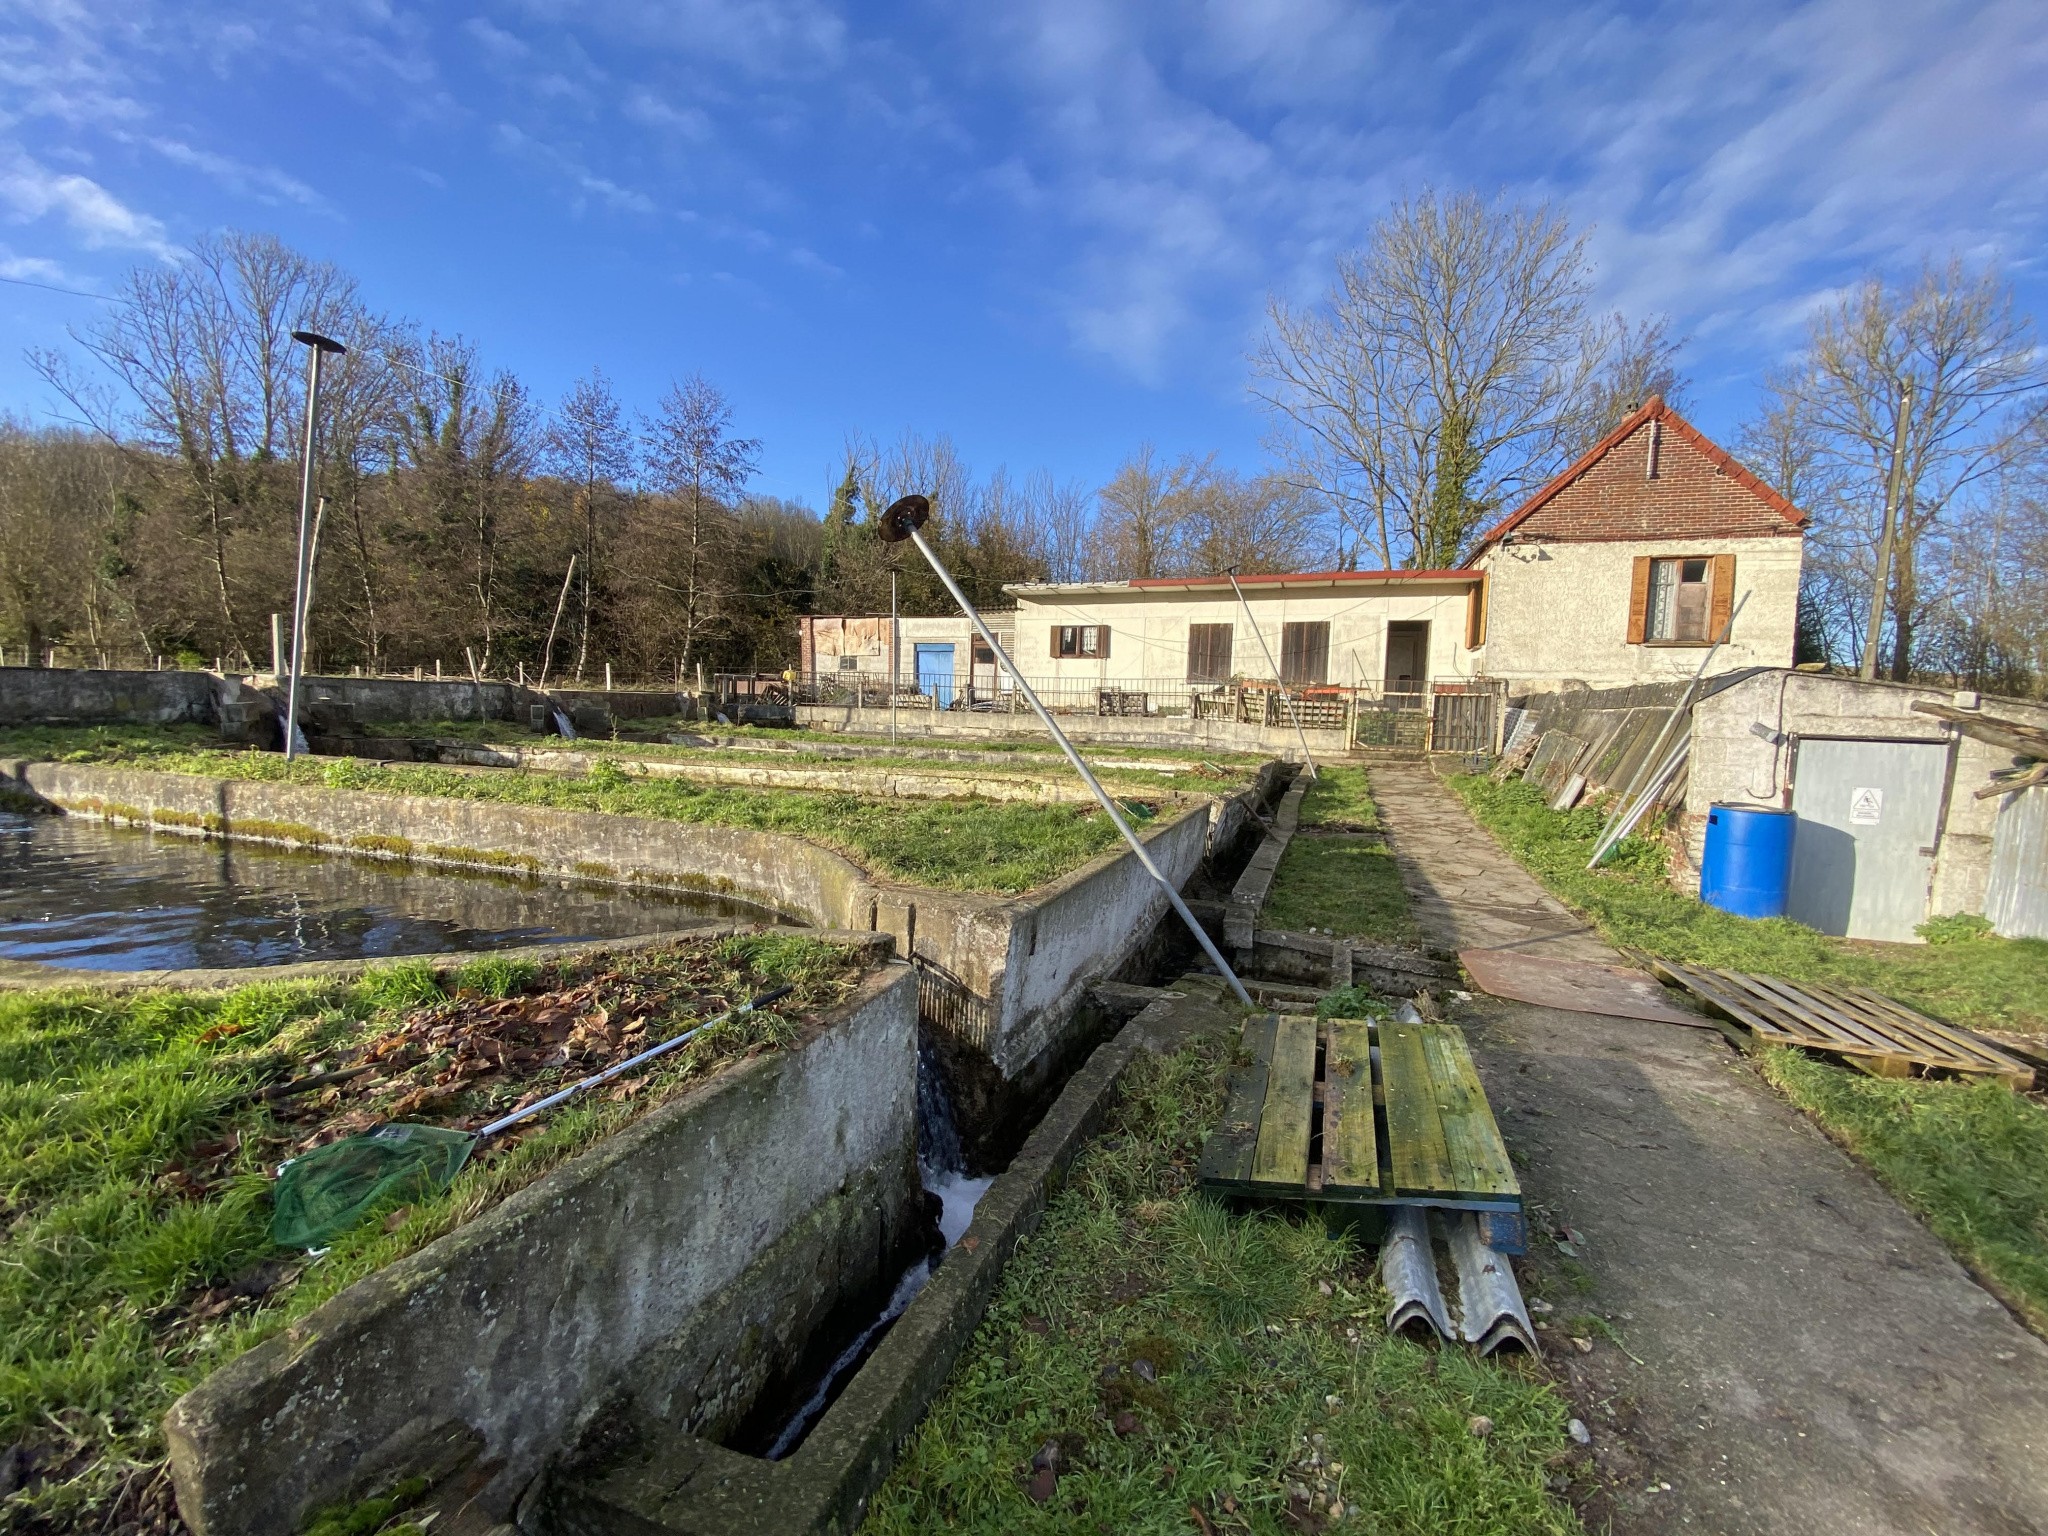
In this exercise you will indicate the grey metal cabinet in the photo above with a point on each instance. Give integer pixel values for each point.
(1863, 854)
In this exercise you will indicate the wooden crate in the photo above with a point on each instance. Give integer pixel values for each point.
(1883, 1037)
(1355, 1113)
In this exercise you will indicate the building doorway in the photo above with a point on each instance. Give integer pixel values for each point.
(1407, 673)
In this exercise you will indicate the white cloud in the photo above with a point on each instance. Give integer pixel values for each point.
(265, 184)
(98, 218)
(623, 199)
(769, 39)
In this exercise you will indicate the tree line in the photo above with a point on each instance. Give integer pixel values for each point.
(1456, 363)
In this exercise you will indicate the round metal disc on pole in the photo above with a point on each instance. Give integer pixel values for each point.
(905, 516)
(315, 339)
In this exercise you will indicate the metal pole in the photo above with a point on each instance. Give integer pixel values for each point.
(1871, 637)
(1286, 697)
(547, 658)
(895, 637)
(900, 522)
(303, 619)
(317, 346)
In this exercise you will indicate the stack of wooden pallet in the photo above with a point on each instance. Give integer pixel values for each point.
(1367, 1114)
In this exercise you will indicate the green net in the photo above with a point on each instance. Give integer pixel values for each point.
(330, 1189)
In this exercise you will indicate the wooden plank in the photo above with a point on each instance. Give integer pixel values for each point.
(1281, 1156)
(2006, 1066)
(1227, 1155)
(1837, 1028)
(1471, 1134)
(1415, 1130)
(1703, 985)
(1351, 1157)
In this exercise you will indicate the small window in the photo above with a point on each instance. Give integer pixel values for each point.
(1080, 640)
(1679, 593)
(983, 656)
(1209, 653)
(849, 663)
(1305, 653)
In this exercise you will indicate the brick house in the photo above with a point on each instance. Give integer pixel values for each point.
(1625, 566)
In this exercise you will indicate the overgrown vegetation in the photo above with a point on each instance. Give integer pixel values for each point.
(136, 1163)
(976, 845)
(1970, 1158)
(1155, 1363)
(1973, 979)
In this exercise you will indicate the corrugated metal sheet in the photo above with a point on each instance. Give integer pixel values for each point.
(2016, 899)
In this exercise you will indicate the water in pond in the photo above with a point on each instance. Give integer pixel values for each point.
(75, 892)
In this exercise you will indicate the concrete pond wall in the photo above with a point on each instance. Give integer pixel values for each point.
(49, 696)
(1000, 976)
(673, 1271)
(1119, 730)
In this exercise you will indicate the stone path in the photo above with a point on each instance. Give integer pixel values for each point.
(1813, 1362)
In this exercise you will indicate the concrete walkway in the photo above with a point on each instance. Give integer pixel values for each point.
(1813, 1362)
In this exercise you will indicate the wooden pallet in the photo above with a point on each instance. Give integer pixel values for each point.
(1356, 1113)
(1884, 1038)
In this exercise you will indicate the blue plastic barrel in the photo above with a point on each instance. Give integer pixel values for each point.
(1747, 866)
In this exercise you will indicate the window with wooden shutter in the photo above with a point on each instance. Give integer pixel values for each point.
(1475, 615)
(1086, 641)
(1209, 653)
(1305, 652)
(1639, 600)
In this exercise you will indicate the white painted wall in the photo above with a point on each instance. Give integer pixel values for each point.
(1558, 612)
(1149, 630)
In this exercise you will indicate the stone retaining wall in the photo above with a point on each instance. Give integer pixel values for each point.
(1122, 730)
(488, 1351)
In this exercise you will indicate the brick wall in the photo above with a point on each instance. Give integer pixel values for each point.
(1698, 493)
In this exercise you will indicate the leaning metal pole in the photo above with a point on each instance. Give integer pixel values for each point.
(1286, 697)
(318, 346)
(902, 521)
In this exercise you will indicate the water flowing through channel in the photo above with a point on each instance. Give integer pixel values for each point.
(943, 1167)
(78, 893)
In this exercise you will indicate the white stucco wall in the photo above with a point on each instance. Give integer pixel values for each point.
(1149, 630)
(1558, 612)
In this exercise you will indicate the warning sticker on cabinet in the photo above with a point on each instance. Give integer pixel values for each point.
(1866, 806)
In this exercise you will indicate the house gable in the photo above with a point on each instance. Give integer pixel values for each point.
(1655, 476)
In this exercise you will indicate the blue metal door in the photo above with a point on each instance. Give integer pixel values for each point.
(935, 673)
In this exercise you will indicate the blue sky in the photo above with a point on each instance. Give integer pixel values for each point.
(1047, 227)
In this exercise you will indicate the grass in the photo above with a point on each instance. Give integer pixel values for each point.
(1339, 799)
(135, 1175)
(965, 844)
(1264, 1335)
(1973, 979)
(1347, 886)
(1970, 1158)
(1332, 880)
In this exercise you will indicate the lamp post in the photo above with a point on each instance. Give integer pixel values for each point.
(318, 347)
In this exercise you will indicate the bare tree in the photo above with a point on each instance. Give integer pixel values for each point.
(211, 385)
(1140, 516)
(693, 457)
(589, 446)
(57, 495)
(1979, 399)
(1450, 369)
(1636, 362)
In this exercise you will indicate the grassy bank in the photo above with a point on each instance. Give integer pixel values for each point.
(1337, 876)
(1970, 1158)
(1178, 1366)
(136, 1162)
(1972, 979)
(975, 845)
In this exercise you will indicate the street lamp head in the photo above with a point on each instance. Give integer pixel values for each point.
(315, 339)
(905, 516)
